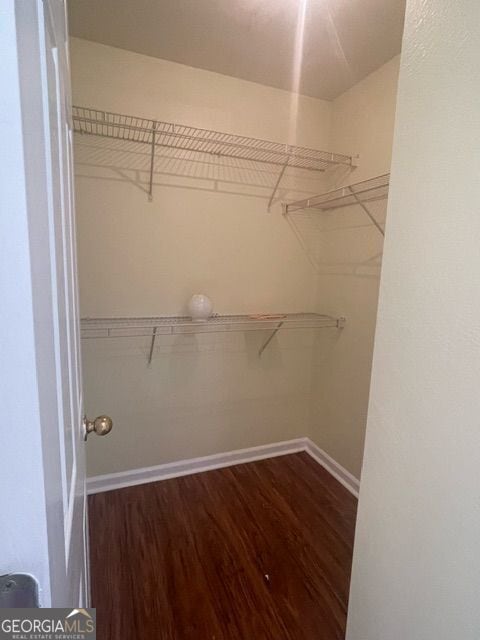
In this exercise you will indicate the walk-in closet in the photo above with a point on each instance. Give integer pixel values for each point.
(232, 164)
(239, 337)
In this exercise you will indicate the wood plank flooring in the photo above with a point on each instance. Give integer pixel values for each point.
(259, 551)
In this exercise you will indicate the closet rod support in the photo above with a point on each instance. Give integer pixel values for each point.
(152, 345)
(277, 184)
(269, 339)
(152, 162)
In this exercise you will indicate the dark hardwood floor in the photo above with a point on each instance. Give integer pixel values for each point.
(259, 551)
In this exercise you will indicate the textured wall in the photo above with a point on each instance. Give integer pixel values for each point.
(416, 570)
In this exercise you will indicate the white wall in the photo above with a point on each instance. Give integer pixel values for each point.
(206, 230)
(416, 570)
(348, 260)
(113, 78)
(363, 119)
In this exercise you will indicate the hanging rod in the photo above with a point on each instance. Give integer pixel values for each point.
(359, 193)
(168, 325)
(156, 133)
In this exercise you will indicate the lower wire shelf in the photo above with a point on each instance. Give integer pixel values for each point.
(168, 325)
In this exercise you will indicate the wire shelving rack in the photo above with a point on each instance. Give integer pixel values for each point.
(156, 133)
(174, 325)
(360, 193)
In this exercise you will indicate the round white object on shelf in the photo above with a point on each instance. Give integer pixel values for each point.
(200, 307)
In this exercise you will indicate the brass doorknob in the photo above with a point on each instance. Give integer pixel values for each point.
(101, 426)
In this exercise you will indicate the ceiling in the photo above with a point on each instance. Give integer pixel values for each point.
(335, 43)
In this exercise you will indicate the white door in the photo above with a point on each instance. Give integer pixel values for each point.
(43, 504)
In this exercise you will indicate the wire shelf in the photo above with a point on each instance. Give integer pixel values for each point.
(178, 136)
(167, 325)
(359, 193)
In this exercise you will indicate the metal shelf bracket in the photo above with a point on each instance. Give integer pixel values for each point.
(269, 339)
(152, 163)
(277, 184)
(152, 345)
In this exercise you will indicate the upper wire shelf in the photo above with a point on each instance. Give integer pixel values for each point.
(358, 193)
(180, 136)
(156, 133)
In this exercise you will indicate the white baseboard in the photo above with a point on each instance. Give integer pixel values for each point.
(111, 481)
(343, 476)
